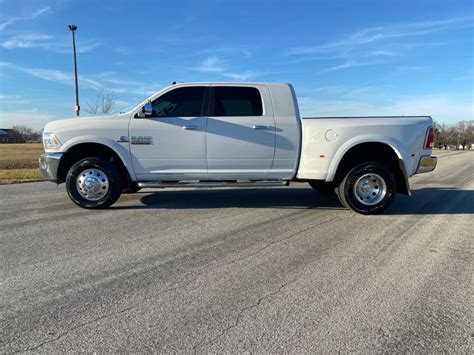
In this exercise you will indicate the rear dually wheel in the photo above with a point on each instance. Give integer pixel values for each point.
(368, 188)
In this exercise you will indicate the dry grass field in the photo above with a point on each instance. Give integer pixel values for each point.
(19, 162)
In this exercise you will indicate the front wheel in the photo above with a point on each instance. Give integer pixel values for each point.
(93, 183)
(368, 188)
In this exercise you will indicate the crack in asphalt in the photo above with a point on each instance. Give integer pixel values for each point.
(261, 299)
(90, 322)
(61, 335)
(241, 313)
(279, 241)
(36, 347)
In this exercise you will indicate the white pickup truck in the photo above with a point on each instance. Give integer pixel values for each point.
(229, 134)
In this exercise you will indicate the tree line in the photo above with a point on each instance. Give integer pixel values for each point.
(27, 134)
(459, 135)
(103, 103)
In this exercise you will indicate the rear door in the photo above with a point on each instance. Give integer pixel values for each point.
(240, 131)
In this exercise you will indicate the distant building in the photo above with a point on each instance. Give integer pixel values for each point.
(10, 136)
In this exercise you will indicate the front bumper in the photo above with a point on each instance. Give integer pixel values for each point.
(427, 164)
(49, 164)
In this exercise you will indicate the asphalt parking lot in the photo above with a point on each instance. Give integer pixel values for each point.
(258, 270)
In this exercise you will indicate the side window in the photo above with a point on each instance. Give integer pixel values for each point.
(237, 101)
(182, 102)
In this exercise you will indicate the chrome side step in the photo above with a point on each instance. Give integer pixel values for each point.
(213, 183)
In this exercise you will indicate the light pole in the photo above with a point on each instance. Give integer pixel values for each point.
(73, 29)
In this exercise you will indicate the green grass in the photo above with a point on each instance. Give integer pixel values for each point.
(19, 162)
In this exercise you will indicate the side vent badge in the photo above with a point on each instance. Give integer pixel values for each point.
(142, 140)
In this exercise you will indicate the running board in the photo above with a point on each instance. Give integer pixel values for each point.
(214, 183)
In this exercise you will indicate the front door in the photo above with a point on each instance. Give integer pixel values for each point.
(171, 144)
(240, 132)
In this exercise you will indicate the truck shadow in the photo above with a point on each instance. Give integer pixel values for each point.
(425, 201)
(287, 198)
(434, 201)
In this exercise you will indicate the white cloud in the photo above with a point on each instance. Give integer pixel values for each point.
(100, 82)
(31, 118)
(230, 51)
(40, 12)
(82, 47)
(28, 41)
(241, 76)
(48, 74)
(5, 23)
(48, 42)
(379, 34)
(383, 42)
(385, 53)
(211, 64)
(9, 97)
(443, 108)
(214, 64)
(110, 81)
(349, 64)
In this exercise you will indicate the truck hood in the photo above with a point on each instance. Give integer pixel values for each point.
(88, 129)
(81, 122)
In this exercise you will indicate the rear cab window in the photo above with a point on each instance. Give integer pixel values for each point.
(235, 101)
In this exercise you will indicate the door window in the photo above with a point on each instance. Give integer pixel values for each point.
(181, 102)
(237, 101)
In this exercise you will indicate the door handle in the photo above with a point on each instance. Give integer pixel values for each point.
(260, 127)
(190, 127)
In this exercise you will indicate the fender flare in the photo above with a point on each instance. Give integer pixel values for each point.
(395, 145)
(120, 149)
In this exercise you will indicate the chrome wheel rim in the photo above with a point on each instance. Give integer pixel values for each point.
(92, 184)
(370, 189)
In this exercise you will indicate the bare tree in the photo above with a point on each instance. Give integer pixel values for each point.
(465, 133)
(461, 134)
(24, 132)
(444, 135)
(104, 103)
(470, 133)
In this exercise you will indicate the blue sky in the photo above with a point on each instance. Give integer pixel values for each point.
(343, 57)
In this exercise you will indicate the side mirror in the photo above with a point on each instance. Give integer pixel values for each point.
(147, 110)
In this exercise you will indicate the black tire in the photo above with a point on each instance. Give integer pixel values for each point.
(132, 188)
(341, 197)
(381, 175)
(326, 188)
(108, 169)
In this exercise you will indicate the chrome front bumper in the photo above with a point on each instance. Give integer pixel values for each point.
(427, 164)
(49, 164)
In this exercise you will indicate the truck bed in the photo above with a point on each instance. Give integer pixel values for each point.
(332, 137)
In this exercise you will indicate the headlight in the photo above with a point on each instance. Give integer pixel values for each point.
(50, 141)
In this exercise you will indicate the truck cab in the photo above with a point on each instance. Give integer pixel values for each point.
(213, 131)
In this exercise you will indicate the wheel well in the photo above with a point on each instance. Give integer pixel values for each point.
(374, 152)
(85, 150)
